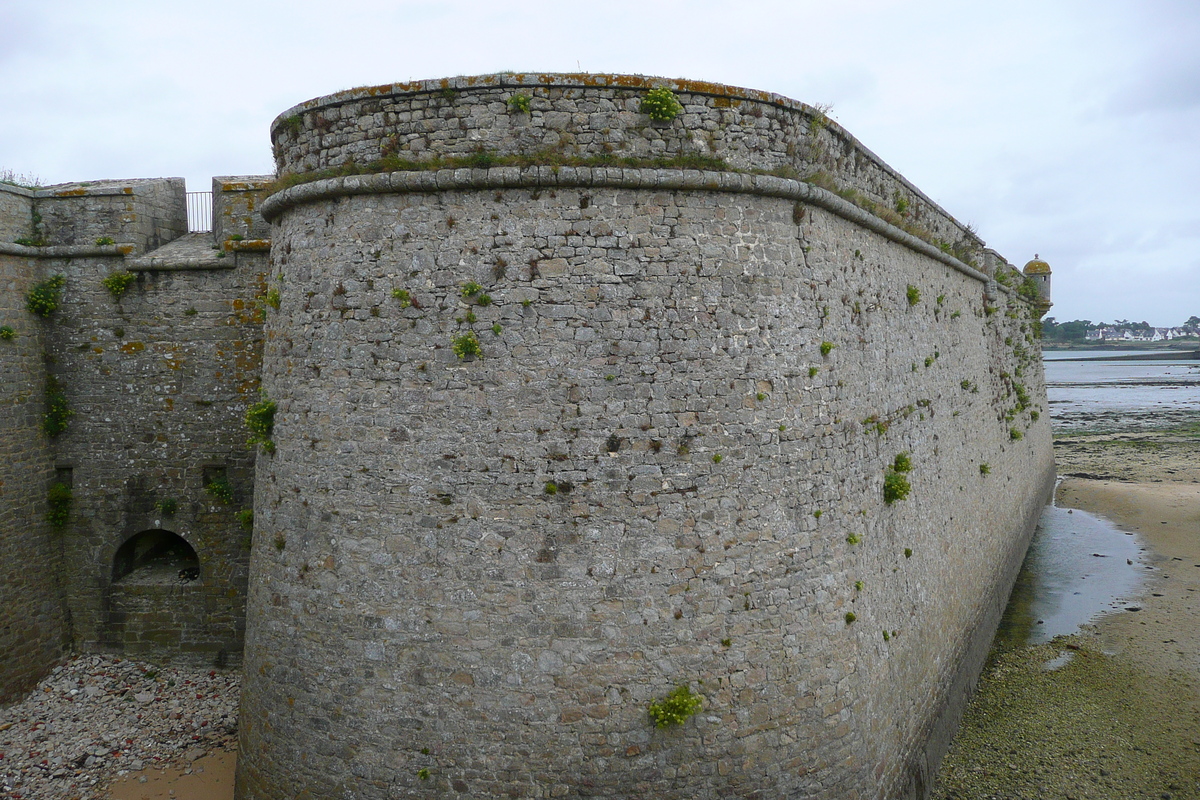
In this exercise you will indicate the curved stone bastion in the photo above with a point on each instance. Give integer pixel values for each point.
(576, 407)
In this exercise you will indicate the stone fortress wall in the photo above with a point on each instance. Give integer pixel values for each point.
(32, 630)
(664, 467)
(157, 383)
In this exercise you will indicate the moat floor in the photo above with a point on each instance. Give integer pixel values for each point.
(207, 778)
(1120, 716)
(99, 718)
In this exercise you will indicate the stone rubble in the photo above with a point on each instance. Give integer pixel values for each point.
(98, 717)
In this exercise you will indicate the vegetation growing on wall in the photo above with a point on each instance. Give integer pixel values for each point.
(260, 419)
(58, 501)
(675, 708)
(895, 484)
(1028, 289)
(466, 345)
(118, 282)
(661, 105)
(519, 103)
(405, 297)
(13, 178)
(220, 490)
(7, 333)
(43, 299)
(962, 249)
(58, 412)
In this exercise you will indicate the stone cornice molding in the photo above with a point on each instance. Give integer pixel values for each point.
(603, 177)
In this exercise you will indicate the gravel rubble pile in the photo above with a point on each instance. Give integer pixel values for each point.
(99, 717)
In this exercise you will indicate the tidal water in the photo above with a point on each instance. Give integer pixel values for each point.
(1079, 565)
(1103, 395)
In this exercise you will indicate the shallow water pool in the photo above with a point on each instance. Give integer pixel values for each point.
(1078, 567)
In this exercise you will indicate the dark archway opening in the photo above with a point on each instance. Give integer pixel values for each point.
(155, 557)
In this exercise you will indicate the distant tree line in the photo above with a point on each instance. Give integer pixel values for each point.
(1077, 329)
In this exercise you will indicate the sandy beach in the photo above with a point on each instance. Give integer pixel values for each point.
(1113, 711)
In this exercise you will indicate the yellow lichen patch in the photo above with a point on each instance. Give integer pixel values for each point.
(173, 362)
(97, 350)
(127, 189)
(249, 244)
(636, 81)
(129, 348)
(721, 90)
(169, 403)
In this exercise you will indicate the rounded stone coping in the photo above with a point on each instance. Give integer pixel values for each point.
(544, 80)
(144, 263)
(602, 177)
(156, 264)
(67, 250)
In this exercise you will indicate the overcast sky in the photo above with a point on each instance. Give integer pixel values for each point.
(1070, 129)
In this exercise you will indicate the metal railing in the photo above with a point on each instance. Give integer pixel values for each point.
(199, 212)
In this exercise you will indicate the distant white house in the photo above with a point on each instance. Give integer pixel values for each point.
(1126, 335)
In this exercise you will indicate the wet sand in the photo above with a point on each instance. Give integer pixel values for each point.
(1120, 715)
(1139, 456)
(207, 778)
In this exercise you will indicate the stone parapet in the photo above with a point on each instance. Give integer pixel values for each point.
(144, 213)
(16, 212)
(585, 116)
(236, 201)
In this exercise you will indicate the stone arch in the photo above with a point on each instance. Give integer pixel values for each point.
(155, 556)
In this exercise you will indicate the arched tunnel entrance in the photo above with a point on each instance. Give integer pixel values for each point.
(156, 601)
(155, 557)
